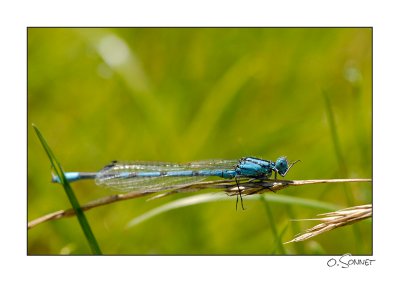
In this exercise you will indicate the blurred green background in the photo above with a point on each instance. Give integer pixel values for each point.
(185, 94)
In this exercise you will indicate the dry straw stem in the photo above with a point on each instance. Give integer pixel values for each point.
(247, 187)
(333, 220)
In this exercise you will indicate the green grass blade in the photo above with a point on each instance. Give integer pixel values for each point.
(335, 135)
(187, 201)
(280, 238)
(70, 194)
(271, 221)
(203, 198)
(341, 159)
(225, 91)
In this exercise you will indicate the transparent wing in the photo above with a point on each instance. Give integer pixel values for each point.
(128, 176)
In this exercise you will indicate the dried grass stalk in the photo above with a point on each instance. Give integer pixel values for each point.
(333, 220)
(247, 187)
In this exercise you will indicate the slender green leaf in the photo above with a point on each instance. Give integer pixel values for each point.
(198, 199)
(70, 194)
(341, 160)
(271, 221)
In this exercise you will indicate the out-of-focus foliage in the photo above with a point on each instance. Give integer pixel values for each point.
(183, 94)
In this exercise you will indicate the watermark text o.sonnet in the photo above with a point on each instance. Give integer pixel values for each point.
(347, 260)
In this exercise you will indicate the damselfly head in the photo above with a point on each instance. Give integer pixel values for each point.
(282, 166)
